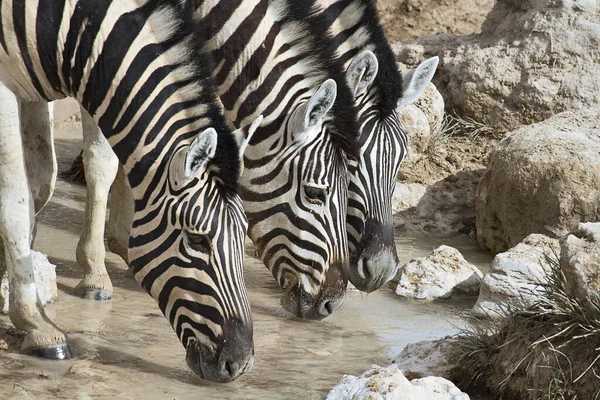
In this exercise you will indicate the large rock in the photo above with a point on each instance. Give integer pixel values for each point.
(515, 277)
(580, 262)
(390, 384)
(440, 275)
(543, 178)
(427, 358)
(45, 281)
(532, 59)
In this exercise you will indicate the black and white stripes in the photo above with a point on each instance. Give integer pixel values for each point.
(137, 68)
(270, 60)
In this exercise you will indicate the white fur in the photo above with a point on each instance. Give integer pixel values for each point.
(414, 81)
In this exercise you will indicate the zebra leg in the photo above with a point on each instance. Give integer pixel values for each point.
(100, 164)
(43, 338)
(120, 216)
(37, 125)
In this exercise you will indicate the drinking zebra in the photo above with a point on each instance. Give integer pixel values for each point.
(135, 66)
(294, 185)
(372, 73)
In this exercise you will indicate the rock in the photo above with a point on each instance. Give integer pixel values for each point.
(426, 358)
(422, 118)
(515, 276)
(407, 195)
(45, 280)
(580, 262)
(543, 178)
(440, 275)
(532, 59)
(390, 384)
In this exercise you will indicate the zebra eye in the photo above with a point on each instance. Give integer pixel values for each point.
(315, 195)
(199, 242)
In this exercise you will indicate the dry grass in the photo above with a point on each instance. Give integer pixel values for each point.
(549, 351)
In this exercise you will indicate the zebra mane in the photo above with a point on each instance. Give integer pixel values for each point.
(344, 126)
(226, 159)
(389, 79)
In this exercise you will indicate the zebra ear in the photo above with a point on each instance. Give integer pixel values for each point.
(414, 81)
(320, 103)
(200, 152)
(243, 135)
(362, 72)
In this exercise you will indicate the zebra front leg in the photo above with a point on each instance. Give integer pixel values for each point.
(37, 126)
(43, 338)
(120, 216)
(100, 165)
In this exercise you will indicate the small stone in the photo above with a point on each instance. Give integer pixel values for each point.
(580, 262)
(389, 383)
(45, 281)
(426, 358)
(442, 274)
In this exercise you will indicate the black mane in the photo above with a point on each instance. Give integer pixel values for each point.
(344, 126)
(226, 158)
(388, 80)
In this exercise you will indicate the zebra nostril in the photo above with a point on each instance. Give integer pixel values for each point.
(328, 308)
(366, 272)
(228, 368)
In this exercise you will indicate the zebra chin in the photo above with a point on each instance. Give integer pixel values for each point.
(375, 261)
(233, 357)
(297, 301)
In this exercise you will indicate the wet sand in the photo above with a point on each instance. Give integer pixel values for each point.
(125, 348)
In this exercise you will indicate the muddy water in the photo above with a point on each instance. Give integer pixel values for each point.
(124, 348)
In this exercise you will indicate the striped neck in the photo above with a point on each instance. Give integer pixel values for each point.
(160, 98)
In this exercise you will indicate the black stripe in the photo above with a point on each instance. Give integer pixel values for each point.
(95, 14)
(48, 22)
(21, 35)
(116, 46)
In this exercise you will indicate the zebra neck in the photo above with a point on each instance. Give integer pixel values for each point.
(136, 71)
(354, 26)
(265, 60)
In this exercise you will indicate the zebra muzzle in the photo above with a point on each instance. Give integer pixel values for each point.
(234, 356)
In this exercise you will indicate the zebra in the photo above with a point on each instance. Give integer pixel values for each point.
(379, 88)
(137, 68)
(294, 184)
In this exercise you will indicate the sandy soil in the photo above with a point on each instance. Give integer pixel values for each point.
(409, 19)
(124, 348)
(403, 20)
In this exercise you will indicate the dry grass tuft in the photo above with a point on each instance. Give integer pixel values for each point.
(549, 351)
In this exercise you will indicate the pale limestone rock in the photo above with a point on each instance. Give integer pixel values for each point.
(388, 383)
(407, 195)
(45, 281)
(543, 178)
(426, 358)
(580, 262)
(440, 275)
(515, 277)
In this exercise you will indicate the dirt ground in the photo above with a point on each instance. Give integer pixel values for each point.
(409, 19)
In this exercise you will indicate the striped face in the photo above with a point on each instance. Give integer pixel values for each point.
(295, 201)
(186, 250)
(373, 257)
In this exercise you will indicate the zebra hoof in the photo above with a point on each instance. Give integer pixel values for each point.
(92, 293)
(59, 352)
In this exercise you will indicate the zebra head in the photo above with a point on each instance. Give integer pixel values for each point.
(383, 146)
(295, 197)
(186, 249)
